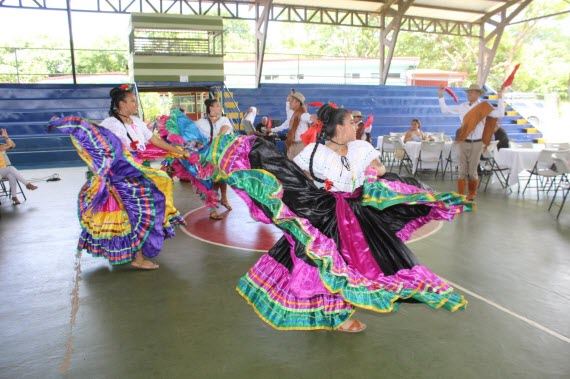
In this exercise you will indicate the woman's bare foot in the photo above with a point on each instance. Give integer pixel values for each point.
(31, 187)
(351, 326)
(144, 265)
(214, 215)
(15, 201)
(226, 204)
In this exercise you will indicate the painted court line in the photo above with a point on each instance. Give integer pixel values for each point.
(509, 312)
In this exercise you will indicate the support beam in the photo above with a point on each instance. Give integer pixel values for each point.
(71, 46)
(389, 34)
(490, 33)
(262, 11)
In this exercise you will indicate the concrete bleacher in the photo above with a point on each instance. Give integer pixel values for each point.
(25, 110)
(393, 107)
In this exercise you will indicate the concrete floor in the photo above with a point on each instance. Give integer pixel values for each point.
(73, 317)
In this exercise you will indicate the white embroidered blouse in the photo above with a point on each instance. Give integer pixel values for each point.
(327, 164)
(137, 131)
(204, 126)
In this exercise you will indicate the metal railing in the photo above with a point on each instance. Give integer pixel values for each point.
(28, 65)
(31, 64)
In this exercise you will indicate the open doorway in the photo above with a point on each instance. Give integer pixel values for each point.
(157, 101)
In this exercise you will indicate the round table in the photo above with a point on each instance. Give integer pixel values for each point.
(517, 160)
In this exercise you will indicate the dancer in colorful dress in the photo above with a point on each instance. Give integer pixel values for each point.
(211, 126)
(343, 244)
(126, 210)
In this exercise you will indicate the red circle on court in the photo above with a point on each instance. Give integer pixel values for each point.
(239, 231)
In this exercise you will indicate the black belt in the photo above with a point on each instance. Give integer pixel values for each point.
(473, 140)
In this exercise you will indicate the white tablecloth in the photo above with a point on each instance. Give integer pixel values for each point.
(413, 151)
(518, 160)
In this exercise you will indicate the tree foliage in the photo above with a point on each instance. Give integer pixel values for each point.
(541, 46)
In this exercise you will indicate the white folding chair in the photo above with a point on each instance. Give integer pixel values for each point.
(432, 152)
(490, 167)
(543, 173)
(398, 153)
(387, 149)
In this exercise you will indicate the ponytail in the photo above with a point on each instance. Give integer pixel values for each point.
(118, 94)
(330, 117)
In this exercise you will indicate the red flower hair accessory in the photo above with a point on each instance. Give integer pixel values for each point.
(134, 145)
(125, 87)
(328, 184)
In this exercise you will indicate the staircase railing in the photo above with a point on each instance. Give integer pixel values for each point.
(230, 106)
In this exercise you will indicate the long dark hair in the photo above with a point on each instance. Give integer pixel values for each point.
(330, 117)
(118, 94)
(209, 103)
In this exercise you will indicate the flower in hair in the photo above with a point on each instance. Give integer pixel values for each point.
(333, 105)
(125, 87)
(328, 184)
(134, 145)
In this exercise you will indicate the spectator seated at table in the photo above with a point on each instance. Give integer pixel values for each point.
(501, 136)
(263, 129)
(415, 133)
(248, 121)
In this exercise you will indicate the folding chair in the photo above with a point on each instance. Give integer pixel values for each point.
(543, 173)
(452, 161)
(490, 167)
(562, 164)
(401, 155)
(5, 191)
(387, 149)
(431, 152)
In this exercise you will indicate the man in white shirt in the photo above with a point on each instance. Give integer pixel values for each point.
(248, 121)
(478, 121)
(298, 121)
(362, 131)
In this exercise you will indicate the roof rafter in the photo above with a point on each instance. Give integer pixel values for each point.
(310, 11)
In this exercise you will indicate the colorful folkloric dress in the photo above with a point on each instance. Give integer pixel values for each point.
(124, 207)
(342, 249)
